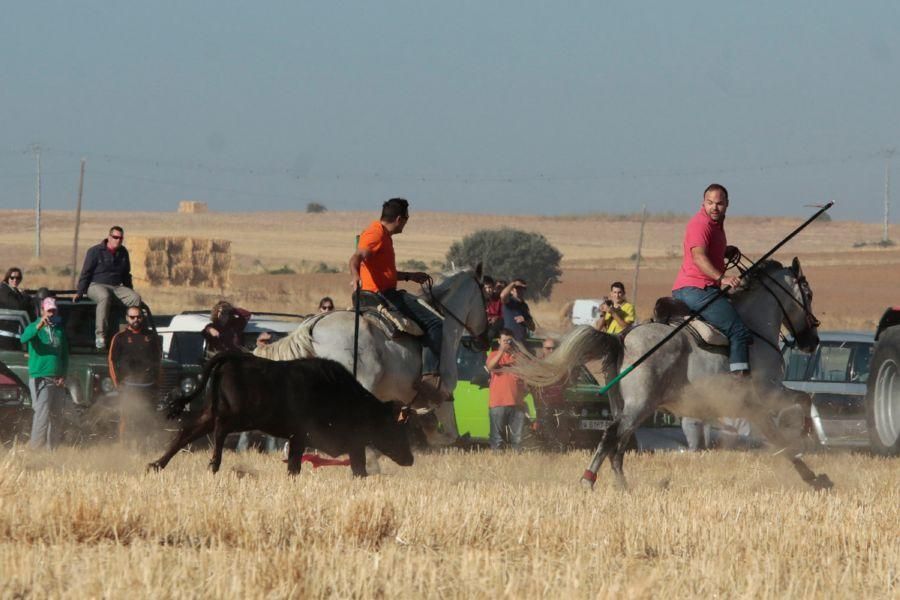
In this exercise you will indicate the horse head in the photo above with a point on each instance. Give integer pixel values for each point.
(791, 290)
(460, 298)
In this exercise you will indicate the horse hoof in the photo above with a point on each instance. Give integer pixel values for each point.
(587, 484)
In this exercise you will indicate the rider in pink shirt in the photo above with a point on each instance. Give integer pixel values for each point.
(702, 274)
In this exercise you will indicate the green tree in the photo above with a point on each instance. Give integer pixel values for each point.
(511, 253)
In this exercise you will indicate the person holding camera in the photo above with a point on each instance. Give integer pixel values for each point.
(506, 400)
(48, 362)
(616, 315)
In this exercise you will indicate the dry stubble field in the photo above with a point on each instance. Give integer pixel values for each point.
(91, 523)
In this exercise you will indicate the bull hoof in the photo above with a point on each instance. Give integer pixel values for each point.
(821, 482)
(154, 467)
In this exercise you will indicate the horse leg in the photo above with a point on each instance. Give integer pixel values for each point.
(606, 445)
(201, 427)
(771, 432)
(296, 446)
(619, 456)
(220, 434)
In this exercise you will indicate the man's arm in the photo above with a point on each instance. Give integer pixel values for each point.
(87, 272)
(356, 260)
(29, 333)
(113, 359)
(504, 294)
(698, 253)
(493, 361)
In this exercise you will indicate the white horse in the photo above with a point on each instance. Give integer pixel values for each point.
(391, 367)
(690, 380)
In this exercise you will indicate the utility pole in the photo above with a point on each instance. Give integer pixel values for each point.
(887, 198)
(77, 225)
(637, 259)
(37, 202)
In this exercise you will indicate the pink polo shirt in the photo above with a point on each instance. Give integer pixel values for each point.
(701, 231)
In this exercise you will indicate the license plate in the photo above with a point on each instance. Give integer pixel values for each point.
(593, 424)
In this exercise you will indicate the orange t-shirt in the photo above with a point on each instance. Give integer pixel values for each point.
(506, 389)
(378, 272)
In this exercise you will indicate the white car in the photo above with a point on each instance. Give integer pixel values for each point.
(183, 342)
(835, 376)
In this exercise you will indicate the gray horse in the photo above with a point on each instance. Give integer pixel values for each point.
(691, 380)
(391, 367)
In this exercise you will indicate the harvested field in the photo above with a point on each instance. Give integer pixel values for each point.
(91, 523)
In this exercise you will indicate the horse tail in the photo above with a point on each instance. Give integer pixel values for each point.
(582, 345)
(297, 344)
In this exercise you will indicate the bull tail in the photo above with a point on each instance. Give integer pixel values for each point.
(582, 345)
(176, 404)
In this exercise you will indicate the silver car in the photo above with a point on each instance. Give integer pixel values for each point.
(835, 376)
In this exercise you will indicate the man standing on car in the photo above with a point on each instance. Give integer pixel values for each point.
(506, 401)
(616, 314)
(135, 357)
(106, 274)
(48, 362)
(373, 268)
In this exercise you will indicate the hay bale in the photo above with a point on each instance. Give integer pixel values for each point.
(192, 207)
(164, 261)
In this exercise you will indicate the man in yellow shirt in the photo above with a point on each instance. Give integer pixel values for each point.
(616, 315)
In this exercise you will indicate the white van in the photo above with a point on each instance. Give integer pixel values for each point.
(585, 311)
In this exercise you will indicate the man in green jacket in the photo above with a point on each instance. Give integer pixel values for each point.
(48, 361)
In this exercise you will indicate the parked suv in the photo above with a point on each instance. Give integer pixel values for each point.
(835, 377)
(88, 381)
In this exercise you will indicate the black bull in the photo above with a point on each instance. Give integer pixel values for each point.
(313, 402)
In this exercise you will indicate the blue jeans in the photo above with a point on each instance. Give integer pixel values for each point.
(721, 315)
(430, 323)
(506, 419)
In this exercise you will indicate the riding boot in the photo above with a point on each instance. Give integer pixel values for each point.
(430, 392)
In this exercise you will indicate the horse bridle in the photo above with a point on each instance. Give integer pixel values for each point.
(804, 302)
(481, 338)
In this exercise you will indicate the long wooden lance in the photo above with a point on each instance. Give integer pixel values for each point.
(356, 294)
(722, 292)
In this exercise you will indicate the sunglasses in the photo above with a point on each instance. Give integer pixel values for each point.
(16, 277)
(117, 237)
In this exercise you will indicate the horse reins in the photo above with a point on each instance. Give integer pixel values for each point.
(428, 289)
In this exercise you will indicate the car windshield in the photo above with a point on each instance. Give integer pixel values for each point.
(839, 362)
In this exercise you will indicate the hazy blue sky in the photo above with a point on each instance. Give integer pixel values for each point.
(464, 106)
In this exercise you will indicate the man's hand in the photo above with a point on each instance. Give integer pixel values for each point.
(213, 332)
(417, 277)
(59, 381)
(732, 282)
(44, 322)
(354, 282)
(519, 319)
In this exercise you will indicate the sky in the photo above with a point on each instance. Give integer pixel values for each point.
(515, 107)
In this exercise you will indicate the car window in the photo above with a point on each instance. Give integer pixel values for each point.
(832, 364)
(186, 347)
(10, 330)
(796, 364)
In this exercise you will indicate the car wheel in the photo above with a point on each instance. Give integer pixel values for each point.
(883, 395)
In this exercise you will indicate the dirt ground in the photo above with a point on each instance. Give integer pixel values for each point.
(853, 284)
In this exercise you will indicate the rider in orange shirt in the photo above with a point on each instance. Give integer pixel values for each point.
(373, 266)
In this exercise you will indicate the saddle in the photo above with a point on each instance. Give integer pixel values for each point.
(672, 312)
(383, 314)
